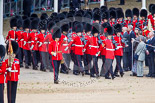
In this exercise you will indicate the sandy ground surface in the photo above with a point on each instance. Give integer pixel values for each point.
(38, 87)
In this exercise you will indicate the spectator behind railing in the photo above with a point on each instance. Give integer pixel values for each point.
(27, 7)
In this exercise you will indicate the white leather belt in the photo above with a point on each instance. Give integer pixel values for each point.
(21, 39)
(12, 39)
(119, 46)
(14, 70)
(110, 49)
(93, 46)
(79, 45)
(29, 42)
(45, 42)
(65, 44)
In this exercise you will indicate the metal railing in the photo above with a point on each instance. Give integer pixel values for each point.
(13, 7)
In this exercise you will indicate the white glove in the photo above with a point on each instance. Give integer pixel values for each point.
(83, 50)
(9, 69)
(40, 44)
(97, 54)
(65, 39)
(24, 43)
(31, 47)
(66, 48)
(54, 54)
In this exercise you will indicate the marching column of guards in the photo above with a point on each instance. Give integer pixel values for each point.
(51, 43)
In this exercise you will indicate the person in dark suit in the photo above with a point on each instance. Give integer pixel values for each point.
(122, 2)
(126, 50)
(131, 35)
(150, 55)
(27, 7)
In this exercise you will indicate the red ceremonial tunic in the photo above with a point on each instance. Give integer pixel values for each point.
(2, 72)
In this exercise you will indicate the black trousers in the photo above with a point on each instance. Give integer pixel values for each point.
(34, 58)
(56, 65)
(11, 91)
(102, 73)
(130, 60)
(1, 93)
(108, 67)
(94, 69)
(118, 65)
(44, 58)
(27, 55)
(79, 63)
(87, 62)
(151, 64)
(20, 55)
(125, 60)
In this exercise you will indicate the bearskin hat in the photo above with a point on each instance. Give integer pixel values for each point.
(143, 13)
(112, 8)
(89, 11)
(50, 25)
(61, 16)
(96, 10)
(19, 21)
(43, 16)
(26, 23)
(78, 27)
(153, 9)
(24, 17)
(118, 28)
(2, 51)
(87, 18)
(95, 28)
(113, 14)
(103, 26)
(42, 25)
(35, 23)
(135, 11)
(105, 15)
(103, 8)
(15, 47)
(109, 30)
(34, 15)
(70, 17)
(65, 26)
(56, 32)
(128, 13)
(78, 17)
(88, 27)
(120, 13)
(150, 7)
(13, 22)
(96, 16)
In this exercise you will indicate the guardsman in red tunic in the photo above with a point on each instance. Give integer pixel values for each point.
(105, 17)
(56, 52)
(12, 33)
(128, 14)
(109, 53)
(78, 49)
(42, 46)
(113, 17)
(87, 53)
(13, 71)
(33, 38)
(135, 21)
(65, 38)
(94, 46)
(2, 73)
(150, 10)
(143, 21)
(120, 16)
(19, 40)
(153, 17)
(119, 50)
(103, 50)
(26, 42)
